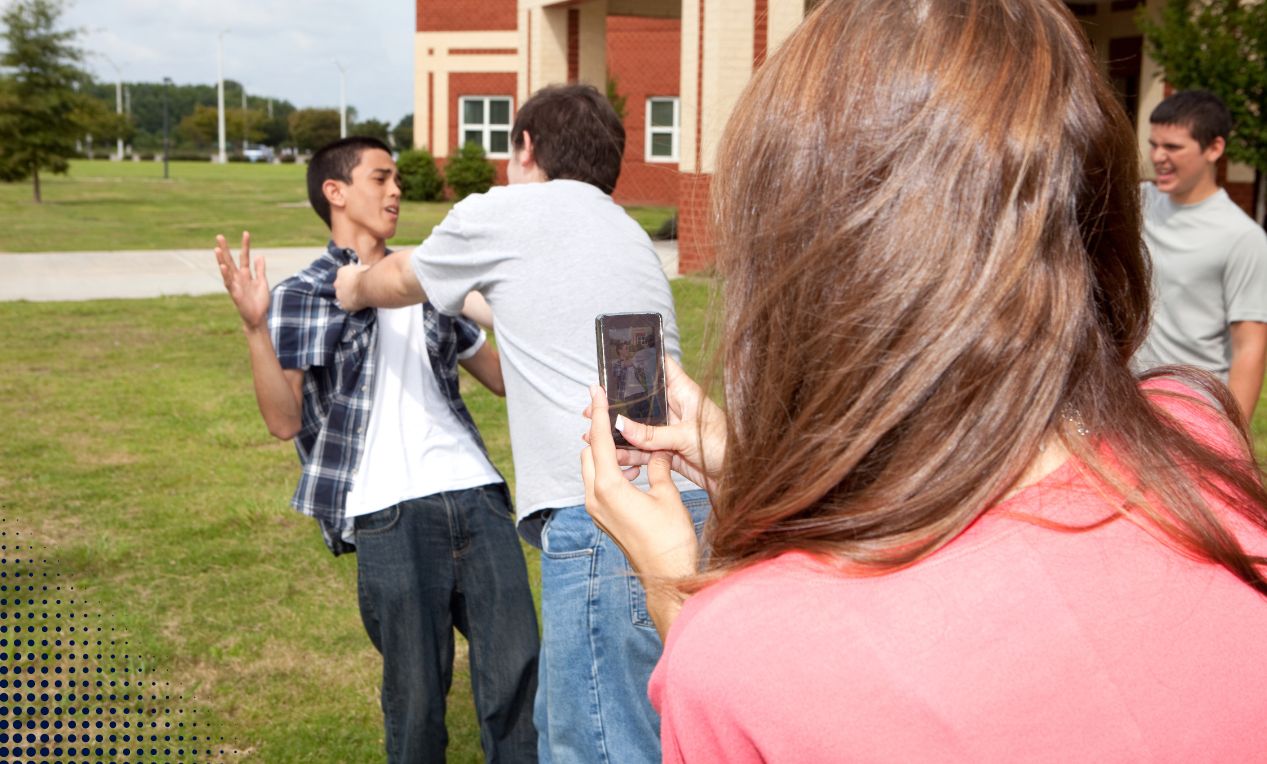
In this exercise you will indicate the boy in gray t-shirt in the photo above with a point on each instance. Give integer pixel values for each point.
(1209, 258)
(549, 252)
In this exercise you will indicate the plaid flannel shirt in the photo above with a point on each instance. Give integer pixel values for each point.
(335, 349)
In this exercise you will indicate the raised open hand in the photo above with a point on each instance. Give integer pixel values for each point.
(246, 286)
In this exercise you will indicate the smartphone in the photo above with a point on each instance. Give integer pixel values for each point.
(631, 368)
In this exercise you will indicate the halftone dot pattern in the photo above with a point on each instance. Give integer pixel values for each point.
(69, 693)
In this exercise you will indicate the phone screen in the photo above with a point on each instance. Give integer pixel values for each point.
(631, 367)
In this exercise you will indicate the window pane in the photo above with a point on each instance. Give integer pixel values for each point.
(499, 112)
(661, 145)
(473, 111)
(498, 142)
(662, 114)
(473, 136)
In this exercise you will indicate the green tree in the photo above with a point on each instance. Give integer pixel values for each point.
(310, 129)
(202, 127)
(403, 132)
(274, 130)
(371, 128)
(469, 172)
(1220, 46)
(42, 111)
(420, 177)
(99, 120)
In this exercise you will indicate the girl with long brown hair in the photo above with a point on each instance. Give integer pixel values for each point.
(947, 520)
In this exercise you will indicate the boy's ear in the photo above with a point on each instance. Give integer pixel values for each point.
(333, 191)
(1214, 152)
(528, 159)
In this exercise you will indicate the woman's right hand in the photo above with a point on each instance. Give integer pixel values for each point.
(695, 435)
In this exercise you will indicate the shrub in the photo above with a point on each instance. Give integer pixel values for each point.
(419, 176)
(286, 159)
(469, 172)
(667, 230)
(187, 155)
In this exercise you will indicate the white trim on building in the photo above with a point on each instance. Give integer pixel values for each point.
(486, 120)
(664, 127)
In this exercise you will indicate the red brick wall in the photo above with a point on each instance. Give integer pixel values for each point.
(466, 15)
(574, 44)
(1243, 195)
(644, 55)
(694, 247)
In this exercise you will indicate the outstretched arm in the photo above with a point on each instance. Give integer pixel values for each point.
(1249, 359)
(486, 366)
(478, 310)
(278, 391)
(389, 283)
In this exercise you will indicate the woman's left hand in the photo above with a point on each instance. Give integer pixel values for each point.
(653, 528)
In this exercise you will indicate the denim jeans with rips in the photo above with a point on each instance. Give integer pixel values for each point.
(598, 647)
(428, 565)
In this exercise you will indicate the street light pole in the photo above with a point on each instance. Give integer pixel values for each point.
(118, 103)
(220, 92)
(343, 101)
(167, 81)
(244, 118)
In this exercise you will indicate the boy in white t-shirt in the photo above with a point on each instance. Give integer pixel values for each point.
(393, 466)
(1209, 258)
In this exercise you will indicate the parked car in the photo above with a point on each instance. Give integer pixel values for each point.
(258, 154)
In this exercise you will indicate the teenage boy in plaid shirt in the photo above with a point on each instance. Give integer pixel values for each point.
(393, 466)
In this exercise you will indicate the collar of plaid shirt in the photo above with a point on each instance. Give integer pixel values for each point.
(336, 350)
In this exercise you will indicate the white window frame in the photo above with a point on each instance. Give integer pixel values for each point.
(486, 128)
(673, 132)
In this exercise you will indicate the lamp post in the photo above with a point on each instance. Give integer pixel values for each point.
(220, 91)
(167, 82)
(343, 101)
(244, 119)
(118, 103)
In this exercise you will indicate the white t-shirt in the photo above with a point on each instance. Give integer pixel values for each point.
(414, 444)
(548, 258)
(1209, 270)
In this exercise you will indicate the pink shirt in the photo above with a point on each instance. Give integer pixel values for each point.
(1014, 642)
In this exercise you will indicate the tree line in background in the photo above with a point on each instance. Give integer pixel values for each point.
(193, 128)
(52, 110)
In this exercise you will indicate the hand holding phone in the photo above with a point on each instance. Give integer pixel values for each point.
(631, 368)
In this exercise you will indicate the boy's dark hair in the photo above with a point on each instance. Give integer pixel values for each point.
(576, 134)
(335, 161)
(1201, 111)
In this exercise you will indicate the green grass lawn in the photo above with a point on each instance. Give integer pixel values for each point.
(137, 476)
(136, 466)
(103, 205)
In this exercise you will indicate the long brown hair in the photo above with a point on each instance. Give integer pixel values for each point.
(928, 226)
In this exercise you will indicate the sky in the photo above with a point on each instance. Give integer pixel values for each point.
(285, 49)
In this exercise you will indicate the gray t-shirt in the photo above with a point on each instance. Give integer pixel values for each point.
(548, 258)
(1209, 270)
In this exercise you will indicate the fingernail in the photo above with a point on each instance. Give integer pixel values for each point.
(595, 390)
(621, 422)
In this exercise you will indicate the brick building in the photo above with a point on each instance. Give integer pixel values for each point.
(680, 65)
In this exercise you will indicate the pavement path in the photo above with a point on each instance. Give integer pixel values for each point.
(58, 276)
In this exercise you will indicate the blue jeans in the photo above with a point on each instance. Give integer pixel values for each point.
(598, 646)
(423, 567)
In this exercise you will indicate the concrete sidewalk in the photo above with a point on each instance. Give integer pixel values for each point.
(55, 276)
